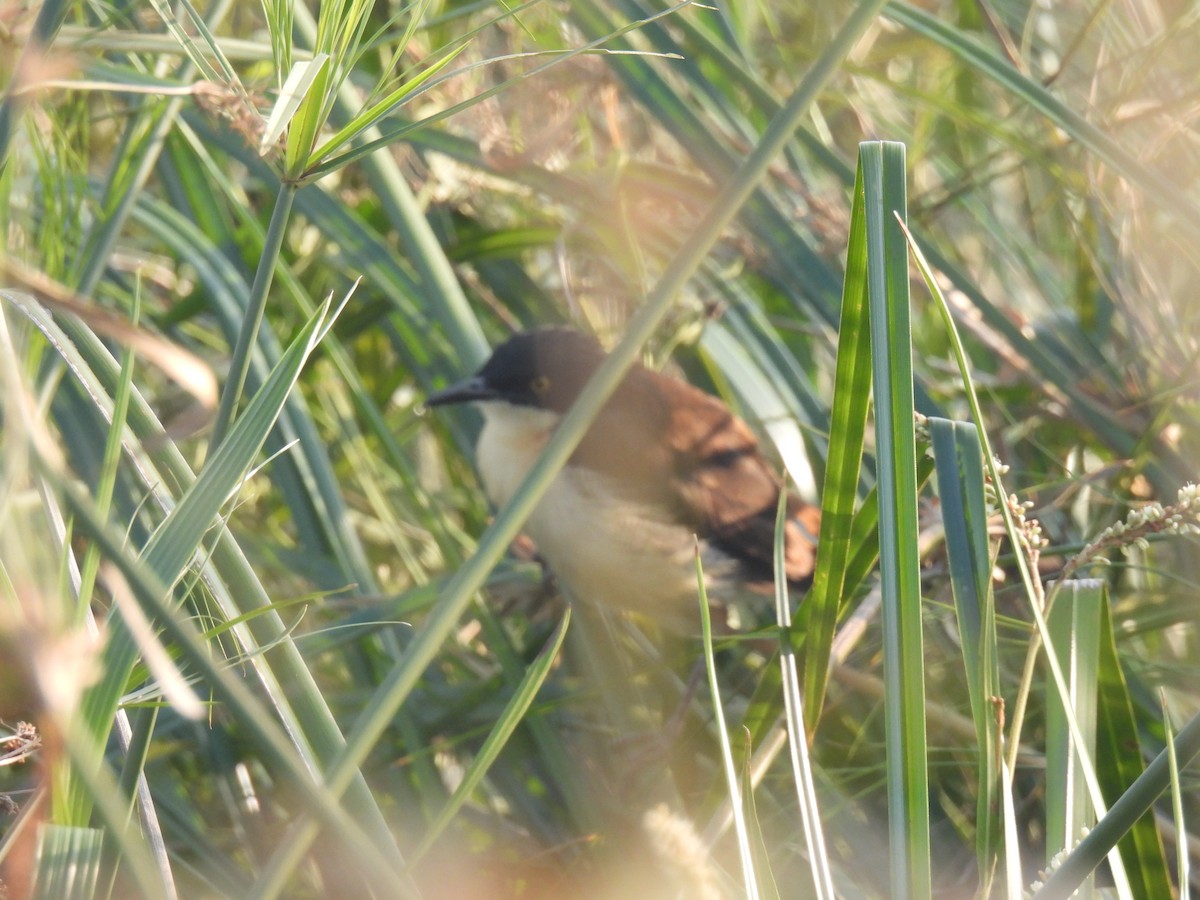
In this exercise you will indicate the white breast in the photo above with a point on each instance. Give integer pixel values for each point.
(603, 546)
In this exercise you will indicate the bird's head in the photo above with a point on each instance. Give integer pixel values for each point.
(543, 369)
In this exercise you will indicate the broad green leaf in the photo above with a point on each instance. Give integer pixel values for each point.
(958, 457)
(847, 431)
(885, 204)
(1119, 756)
(67, 864)
(1132, 806)
(1075, 632)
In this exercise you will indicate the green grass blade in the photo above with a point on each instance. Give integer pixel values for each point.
(312, 78)
(399, 682)
(745, 853)
(768, 887)
(864, 538)
(278, 15)
(1032, 589)
(267, 737)
(1031, 92)
(847, 432)
(802, 775)
(374, 116)
(1075, 632)
(1014, 882)
(112, 810)
(506, 724)
(899, 556)
(1183, 859)
(171, 547)
(108, 469)
(1126, 811)
(301, 77)
(177, 539)
(958, 457)
(205, 55)
(553, 747)
(1119, 758)
(67, 862)
(256, 305)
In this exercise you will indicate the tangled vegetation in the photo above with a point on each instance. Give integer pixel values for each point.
(262, 635)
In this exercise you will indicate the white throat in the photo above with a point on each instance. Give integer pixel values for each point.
(511, 440)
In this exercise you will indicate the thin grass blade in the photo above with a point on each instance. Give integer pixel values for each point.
(1183, 859)
(802, 774)
(181, 533)
(745, 853)
(505, 725)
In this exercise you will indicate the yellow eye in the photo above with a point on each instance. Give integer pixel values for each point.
(540, 385)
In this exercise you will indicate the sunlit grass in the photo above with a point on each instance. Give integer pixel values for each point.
(390, 699)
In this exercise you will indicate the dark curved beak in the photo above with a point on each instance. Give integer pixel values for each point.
(465, 391)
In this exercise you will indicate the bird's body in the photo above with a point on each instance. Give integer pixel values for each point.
(661, 465)
(625, 552)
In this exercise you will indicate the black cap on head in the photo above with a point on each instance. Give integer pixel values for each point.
(546, 369)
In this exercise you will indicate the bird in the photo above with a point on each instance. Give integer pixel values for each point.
(663, 469)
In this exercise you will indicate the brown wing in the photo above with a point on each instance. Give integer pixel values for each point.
(730, 490)
(671, 445)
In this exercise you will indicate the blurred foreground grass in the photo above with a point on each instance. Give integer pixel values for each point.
(309, 685)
